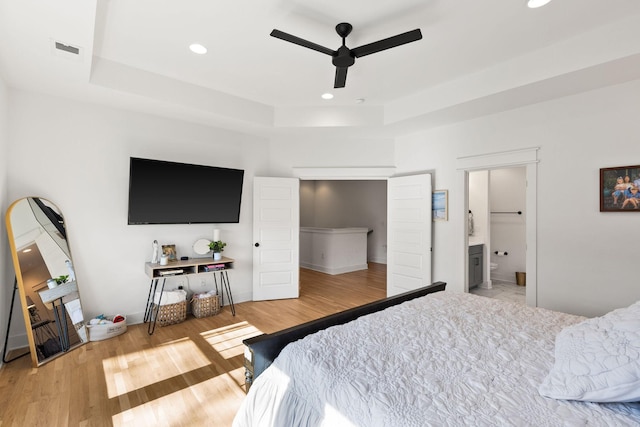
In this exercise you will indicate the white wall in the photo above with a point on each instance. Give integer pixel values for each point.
(578, 272)
(6, 275)
(335, 204)
(330, 150)
(77, 155)
(479, 204)
(507, 191)
(579, 268)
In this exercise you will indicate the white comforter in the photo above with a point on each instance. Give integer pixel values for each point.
(447, 359)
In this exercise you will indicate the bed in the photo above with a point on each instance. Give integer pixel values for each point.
(449, 358)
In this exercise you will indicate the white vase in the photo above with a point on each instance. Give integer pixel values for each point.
(217, 256)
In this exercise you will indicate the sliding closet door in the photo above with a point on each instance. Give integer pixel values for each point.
(408, 233)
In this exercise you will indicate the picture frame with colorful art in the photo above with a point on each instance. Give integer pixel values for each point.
(620, 189)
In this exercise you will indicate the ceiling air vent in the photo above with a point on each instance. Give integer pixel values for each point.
(66, 50)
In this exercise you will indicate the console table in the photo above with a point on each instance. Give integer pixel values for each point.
(159, 273)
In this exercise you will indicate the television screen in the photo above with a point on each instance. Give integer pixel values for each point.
(162, 192)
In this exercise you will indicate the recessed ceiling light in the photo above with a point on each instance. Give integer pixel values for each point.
(198, 48)
(327, 96)
(26, 251)
(537, 3)
(360, 101)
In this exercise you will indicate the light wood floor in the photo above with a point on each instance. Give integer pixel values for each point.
(185, 374)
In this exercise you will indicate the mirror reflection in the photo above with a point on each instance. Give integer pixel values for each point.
(46, 278)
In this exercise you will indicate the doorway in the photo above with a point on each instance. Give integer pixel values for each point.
(497, 233)
(526, 158)
(348, 203)
(403, 201)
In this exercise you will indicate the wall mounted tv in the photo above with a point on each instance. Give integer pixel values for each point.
(162, 192)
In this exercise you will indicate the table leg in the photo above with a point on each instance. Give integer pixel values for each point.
(154, 310)
(215, 281)
(152, 291)
(224, 278)
(56, 316)
(65, 327)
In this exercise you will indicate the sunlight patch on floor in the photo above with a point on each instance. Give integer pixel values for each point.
(227, 341)
(237, 375)
(132, 371)
(228, 381)
(174, 408)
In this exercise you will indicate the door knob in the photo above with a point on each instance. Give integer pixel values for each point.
(257, 245)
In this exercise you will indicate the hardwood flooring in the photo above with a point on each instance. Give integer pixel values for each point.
(186, 374)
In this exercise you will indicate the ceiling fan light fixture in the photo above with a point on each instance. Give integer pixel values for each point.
(198, 48)
(533, 4)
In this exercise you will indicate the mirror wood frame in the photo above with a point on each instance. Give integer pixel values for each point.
(19, 271)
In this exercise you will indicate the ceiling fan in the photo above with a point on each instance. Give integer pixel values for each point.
(344, 57)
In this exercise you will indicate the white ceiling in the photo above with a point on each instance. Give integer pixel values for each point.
(476, 57)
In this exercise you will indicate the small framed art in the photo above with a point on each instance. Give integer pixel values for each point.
(620, 189)
(439, 205)
(170, 252)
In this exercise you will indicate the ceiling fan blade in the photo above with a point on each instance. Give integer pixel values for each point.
(302, 42)
(341, 77)
(388, 43)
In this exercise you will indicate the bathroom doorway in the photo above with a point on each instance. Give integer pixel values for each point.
(497, 233)
(526, 158)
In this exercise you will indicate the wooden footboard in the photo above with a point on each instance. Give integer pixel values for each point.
(263, 349)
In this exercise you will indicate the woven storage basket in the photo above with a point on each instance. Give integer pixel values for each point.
(170, 314)
(204, 307)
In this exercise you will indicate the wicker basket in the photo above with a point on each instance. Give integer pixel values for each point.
(207, 306)
(170, 314)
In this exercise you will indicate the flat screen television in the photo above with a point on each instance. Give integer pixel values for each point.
(162, 192)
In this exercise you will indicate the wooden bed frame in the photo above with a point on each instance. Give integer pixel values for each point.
(263, 349)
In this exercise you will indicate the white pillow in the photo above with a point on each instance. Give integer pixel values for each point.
(598, 360)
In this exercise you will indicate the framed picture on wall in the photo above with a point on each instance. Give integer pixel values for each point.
(620, 189)
(439, 205)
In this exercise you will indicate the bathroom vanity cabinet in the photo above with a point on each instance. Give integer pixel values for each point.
(476, 262)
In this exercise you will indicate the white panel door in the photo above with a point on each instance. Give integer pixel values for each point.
(408, 233)
(276, 225)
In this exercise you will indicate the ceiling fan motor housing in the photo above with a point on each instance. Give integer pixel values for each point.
(344, 57)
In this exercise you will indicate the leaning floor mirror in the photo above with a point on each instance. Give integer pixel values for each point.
(45, 279)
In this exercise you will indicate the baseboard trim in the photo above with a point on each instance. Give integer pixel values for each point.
(334, 271)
